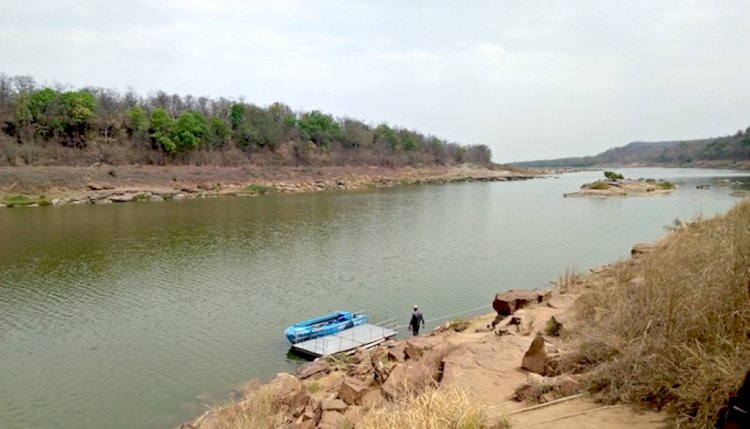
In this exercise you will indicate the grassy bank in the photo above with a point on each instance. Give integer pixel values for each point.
(679, 321)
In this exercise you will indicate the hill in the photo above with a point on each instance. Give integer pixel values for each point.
(718, 151)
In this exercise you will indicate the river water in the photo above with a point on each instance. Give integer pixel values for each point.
(141, 315)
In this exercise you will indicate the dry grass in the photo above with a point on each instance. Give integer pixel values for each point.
(567, 281)
(679, 319)
(433, 409)
(256, 411)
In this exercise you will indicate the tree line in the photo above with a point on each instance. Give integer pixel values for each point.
(64, 125)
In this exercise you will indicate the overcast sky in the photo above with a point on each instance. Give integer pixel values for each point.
(530, 79)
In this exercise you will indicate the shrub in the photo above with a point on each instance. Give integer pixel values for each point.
(600, 184)
(666, 184)
(611, 175)
(20, 200)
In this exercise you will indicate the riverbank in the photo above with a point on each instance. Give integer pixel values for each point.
(105, 184)
(478, 373)
(658, 330)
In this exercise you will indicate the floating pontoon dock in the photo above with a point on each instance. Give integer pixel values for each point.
(346, 340)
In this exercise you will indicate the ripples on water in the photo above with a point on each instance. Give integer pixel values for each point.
(139, 315)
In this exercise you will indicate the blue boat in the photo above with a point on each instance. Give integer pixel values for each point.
(324, 325)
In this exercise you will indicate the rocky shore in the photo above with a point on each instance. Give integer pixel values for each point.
(39, 186)
(624, 188)
(519, 366)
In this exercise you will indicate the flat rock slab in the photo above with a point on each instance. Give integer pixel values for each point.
(490, 370)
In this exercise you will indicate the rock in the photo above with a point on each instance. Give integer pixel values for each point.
(331, 420)
(155, 198)
(397, 379)
(535, 359)
(101, 201)
(287, 387)
(372, 398)
(506, 303)
(99, 187)
(178, 197)
(529, 390)
(352, 390)
(537, 388)
(56, 201)
(503, 327)
(415, 349)
(122, 198)
(317, 368)
(567, 385)
(642, 249)
(397, 352)
(333, 405)
(306, 424)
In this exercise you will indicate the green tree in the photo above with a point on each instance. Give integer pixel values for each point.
(386, 136)
(190, 131)
(319, 128)
(78, 113)
(43, 108)
(161, 130)
(237, 115)
(220, 132)
(137, 121)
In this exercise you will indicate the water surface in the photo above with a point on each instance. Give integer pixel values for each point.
(139, 315)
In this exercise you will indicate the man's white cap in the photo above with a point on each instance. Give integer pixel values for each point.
(416, 306)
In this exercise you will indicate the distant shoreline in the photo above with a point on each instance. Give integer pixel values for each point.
(32, 186)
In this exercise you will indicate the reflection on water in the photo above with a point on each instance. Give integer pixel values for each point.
(138, 315)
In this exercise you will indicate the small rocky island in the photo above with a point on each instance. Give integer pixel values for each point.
(615, 185)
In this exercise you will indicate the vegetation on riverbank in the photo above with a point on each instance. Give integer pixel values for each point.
(77, 127)
(679, 319)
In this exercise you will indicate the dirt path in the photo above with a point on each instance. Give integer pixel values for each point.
(488, 366)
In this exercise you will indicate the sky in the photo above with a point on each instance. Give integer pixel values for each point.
(530, 79)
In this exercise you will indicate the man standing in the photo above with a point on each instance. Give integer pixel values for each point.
(416, 318)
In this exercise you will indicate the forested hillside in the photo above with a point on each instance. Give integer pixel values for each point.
(726, 150)
(67, 126)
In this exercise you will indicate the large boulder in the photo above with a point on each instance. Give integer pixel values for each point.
(289, 392)
(352, 390)
(396, 352)
(331, 420)
(332, 405)
(536, 359)
(506, 303)
(317, 368)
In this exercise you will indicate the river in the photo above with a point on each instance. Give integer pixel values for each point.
(141, 315)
